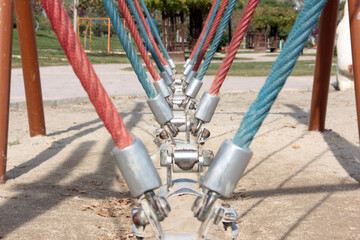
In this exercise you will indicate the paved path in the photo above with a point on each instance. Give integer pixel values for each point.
(60, 82)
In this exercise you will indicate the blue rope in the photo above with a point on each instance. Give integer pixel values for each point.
(128, 47)
(280, 71)
(155, 30)
(219, 33)
(207, 30)
(145, 35)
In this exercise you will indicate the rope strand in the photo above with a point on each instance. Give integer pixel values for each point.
(83, 69)
(148, 31)
(128, 47)
(233, 47)
(280, 71)
(217, 39)
(138, 40)
(211, 34)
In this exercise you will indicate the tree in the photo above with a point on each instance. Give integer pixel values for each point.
(196, 9)
(277, 16)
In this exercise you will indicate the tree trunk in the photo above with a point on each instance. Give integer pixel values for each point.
(196, 24)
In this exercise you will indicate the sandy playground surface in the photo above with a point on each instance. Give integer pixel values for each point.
(298, 185)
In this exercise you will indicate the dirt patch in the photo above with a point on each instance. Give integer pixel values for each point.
(298, 185)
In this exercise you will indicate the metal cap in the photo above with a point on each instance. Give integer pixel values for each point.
(172, 64)
(167, 77)
(161, 87)
(161, 109)
(187, 69)
(206, 107)
(169, 70)
(137, 168)
(193, 88)
(187, 62)
(191, 76)
(227, 168)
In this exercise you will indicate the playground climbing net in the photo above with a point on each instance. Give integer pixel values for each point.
(181, 118)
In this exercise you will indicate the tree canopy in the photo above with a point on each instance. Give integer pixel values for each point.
(277, 15)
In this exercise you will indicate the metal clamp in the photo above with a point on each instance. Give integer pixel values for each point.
(193, 88)
(187, 62)
(167, 77)
(172, 64)
(169, 70)
(227, 168)
(187, 69)
(137, 168)
(161, 109)
(206, 107)
(190, 76)
(161, 87)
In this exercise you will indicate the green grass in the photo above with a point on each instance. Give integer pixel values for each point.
(277, 54)
(50, 52)
(257, 69)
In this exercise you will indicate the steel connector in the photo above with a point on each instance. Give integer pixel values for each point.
(193, 88)
(169, 70)
(172, 64)
(167, 77)
(206, 108)
(190, 76)
(227, 168)
(137, 168)
(188, 69)
(162, 87)
(187, 62)
(161, 109)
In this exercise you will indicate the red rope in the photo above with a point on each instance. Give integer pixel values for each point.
(138, 40)
(148, 31)
(203, 30)
(233, 47)
(211, 34)
(85, 72)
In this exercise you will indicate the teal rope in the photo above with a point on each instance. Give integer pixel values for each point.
(155, 30)
(128, 47)
(207, 30)
(219, 33)
(145, 35)
(280, 71)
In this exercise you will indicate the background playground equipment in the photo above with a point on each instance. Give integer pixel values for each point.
(89, 22)
(329, 10)
(88, 30)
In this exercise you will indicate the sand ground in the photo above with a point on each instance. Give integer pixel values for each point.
(298, 185)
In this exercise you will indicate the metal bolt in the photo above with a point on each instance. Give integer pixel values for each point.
(219, 216)
(206, 133)
(164, 134)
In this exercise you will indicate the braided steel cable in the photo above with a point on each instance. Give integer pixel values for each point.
(211, 34)
(147, 29)
(154, 28)
(217, 39)
(233, 47)
(154, 54)
(128, 47)
(83, 69)
(138, 40)
(205, 31)
(280, 71)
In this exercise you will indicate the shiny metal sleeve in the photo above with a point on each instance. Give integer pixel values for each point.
(137, 168)
(227, 168)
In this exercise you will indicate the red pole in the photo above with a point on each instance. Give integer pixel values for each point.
(6, 32)
(354, 15)
(30, 65)
(323, 66)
